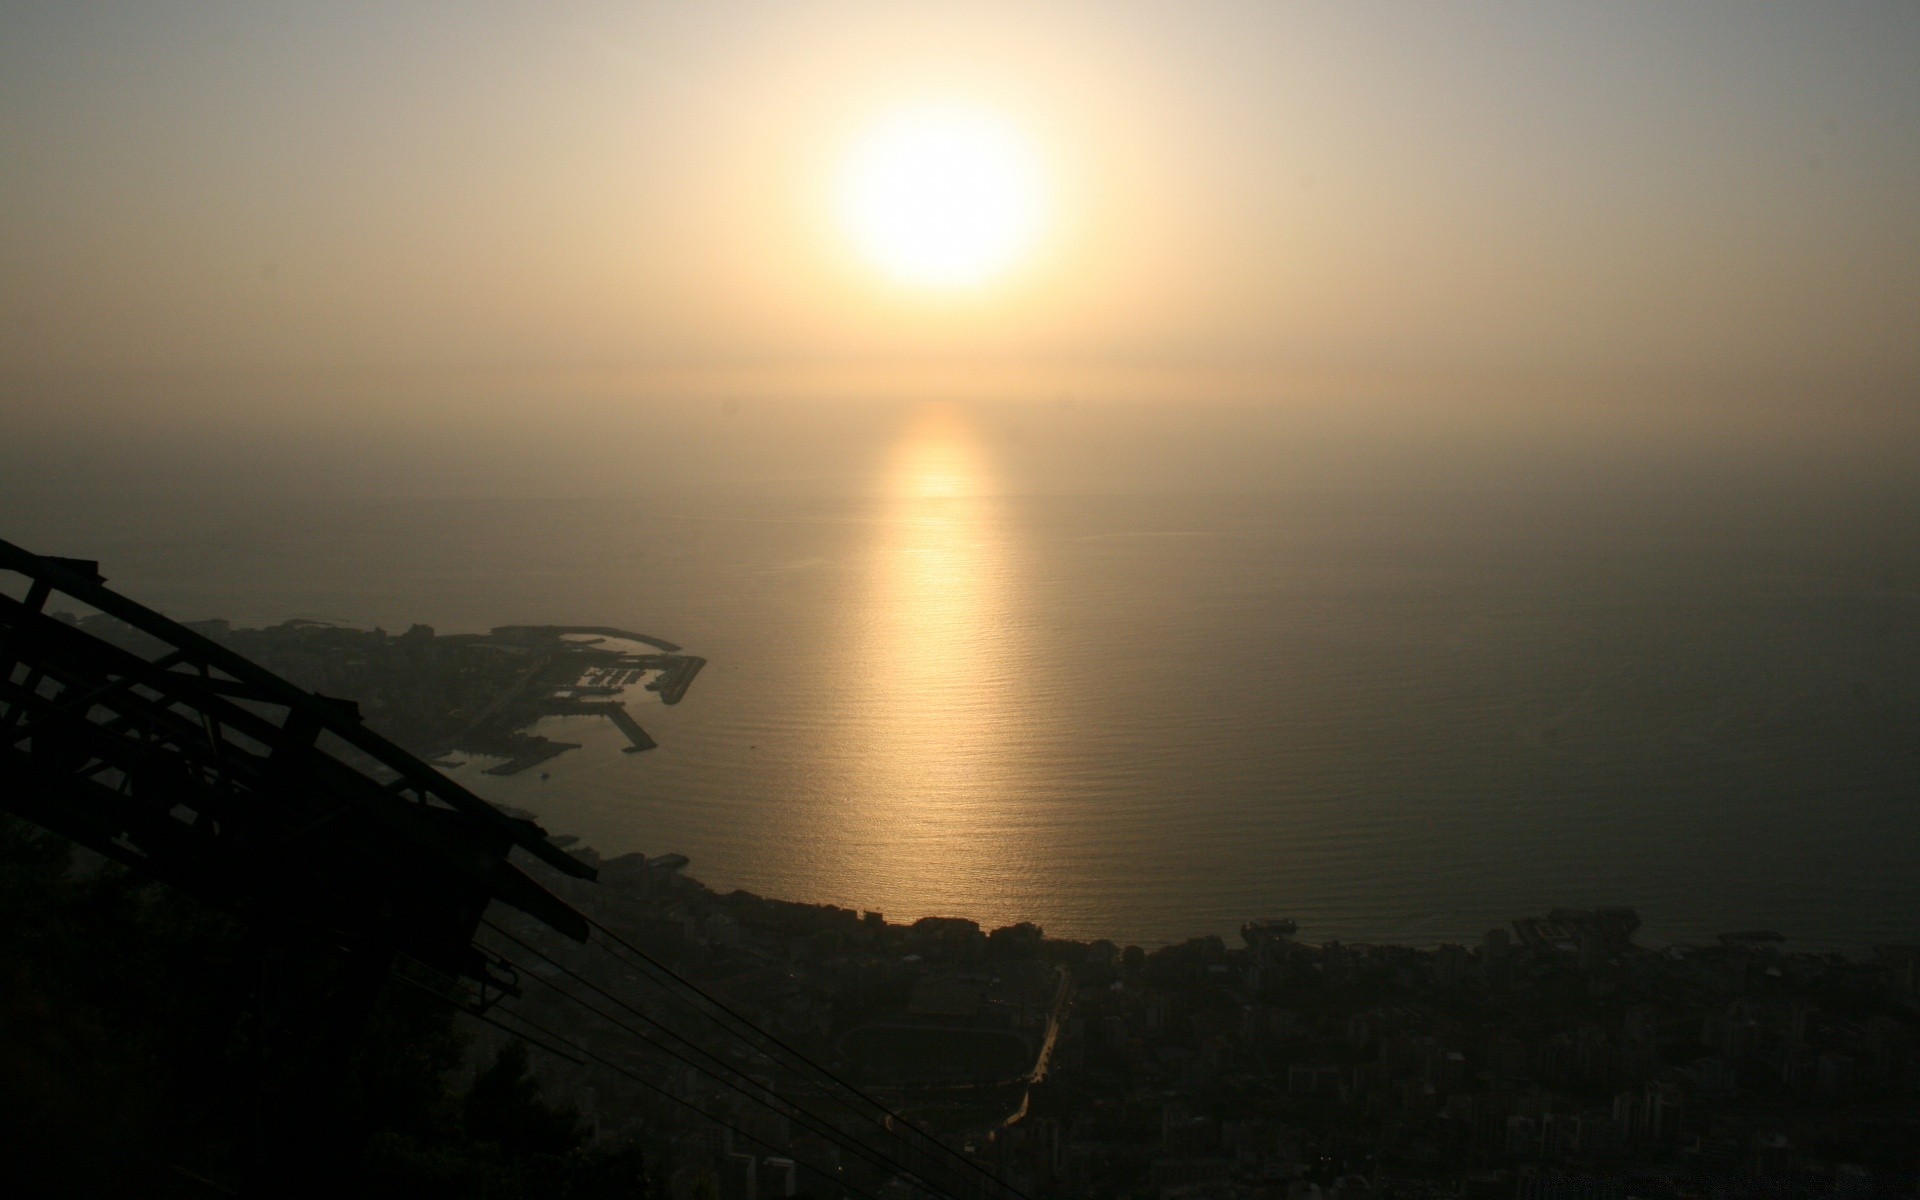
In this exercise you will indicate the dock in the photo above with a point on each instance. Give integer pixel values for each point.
(677, 677)
(534, 632)
(531, 752)
(636, 736)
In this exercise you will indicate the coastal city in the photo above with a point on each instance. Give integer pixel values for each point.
(1306, 601)
(1556, 1057)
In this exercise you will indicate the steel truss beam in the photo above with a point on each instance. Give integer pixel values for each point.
(204, 770)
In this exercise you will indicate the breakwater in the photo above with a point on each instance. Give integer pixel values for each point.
(537, 633)
(637, 737)
(677, 677)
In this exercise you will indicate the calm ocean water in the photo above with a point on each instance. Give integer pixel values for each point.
(1146, 718)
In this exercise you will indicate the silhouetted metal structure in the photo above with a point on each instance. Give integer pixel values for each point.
(276, 804)
(337, 849)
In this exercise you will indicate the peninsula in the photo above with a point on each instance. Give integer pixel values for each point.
(439, 694)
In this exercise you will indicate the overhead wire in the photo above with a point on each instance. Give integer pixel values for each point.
(488, 1018)
(752, 1090)
(755, 1093)
(548, 1040)
(797, 1055)
(885, 1113)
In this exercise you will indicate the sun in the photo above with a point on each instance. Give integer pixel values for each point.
(942, 196)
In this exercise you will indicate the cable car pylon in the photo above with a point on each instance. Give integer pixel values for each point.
(336, 849)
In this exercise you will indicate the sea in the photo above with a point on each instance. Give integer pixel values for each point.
(1391, 714)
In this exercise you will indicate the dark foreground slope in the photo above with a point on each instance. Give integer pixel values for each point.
(128, 1018)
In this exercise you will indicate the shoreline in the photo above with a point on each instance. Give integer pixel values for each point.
(1558, 931)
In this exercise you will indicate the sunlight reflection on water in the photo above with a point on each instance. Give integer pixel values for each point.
(1151, 716)
(925, 790)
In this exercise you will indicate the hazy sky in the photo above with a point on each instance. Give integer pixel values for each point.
(1247, 199)
(1259, 184)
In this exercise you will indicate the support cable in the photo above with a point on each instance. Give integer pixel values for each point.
(478, 1015)
(550, 1039)
(751, 1090)
(884, 1113)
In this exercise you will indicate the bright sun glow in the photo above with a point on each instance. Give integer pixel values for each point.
(946, 196)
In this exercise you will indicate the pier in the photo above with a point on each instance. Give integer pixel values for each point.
(677, 677)
(636, 736)
(523, 633)
(531, 752)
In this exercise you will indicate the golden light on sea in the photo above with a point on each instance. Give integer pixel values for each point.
(927, 769)
(937, 582)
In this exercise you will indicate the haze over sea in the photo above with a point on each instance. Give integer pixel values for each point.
(1392, 709)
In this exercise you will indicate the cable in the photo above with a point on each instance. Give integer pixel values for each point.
(798, 1111)
(885, 1114)
(477, 1015)
(636, 1077)
(800, 1057)
(549, 1041)
(752, 1093)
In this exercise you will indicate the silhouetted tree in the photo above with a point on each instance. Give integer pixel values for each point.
(124, 1038)
(504, 1107)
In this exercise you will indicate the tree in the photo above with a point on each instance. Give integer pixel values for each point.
(125, 1029)
(504, 1107)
